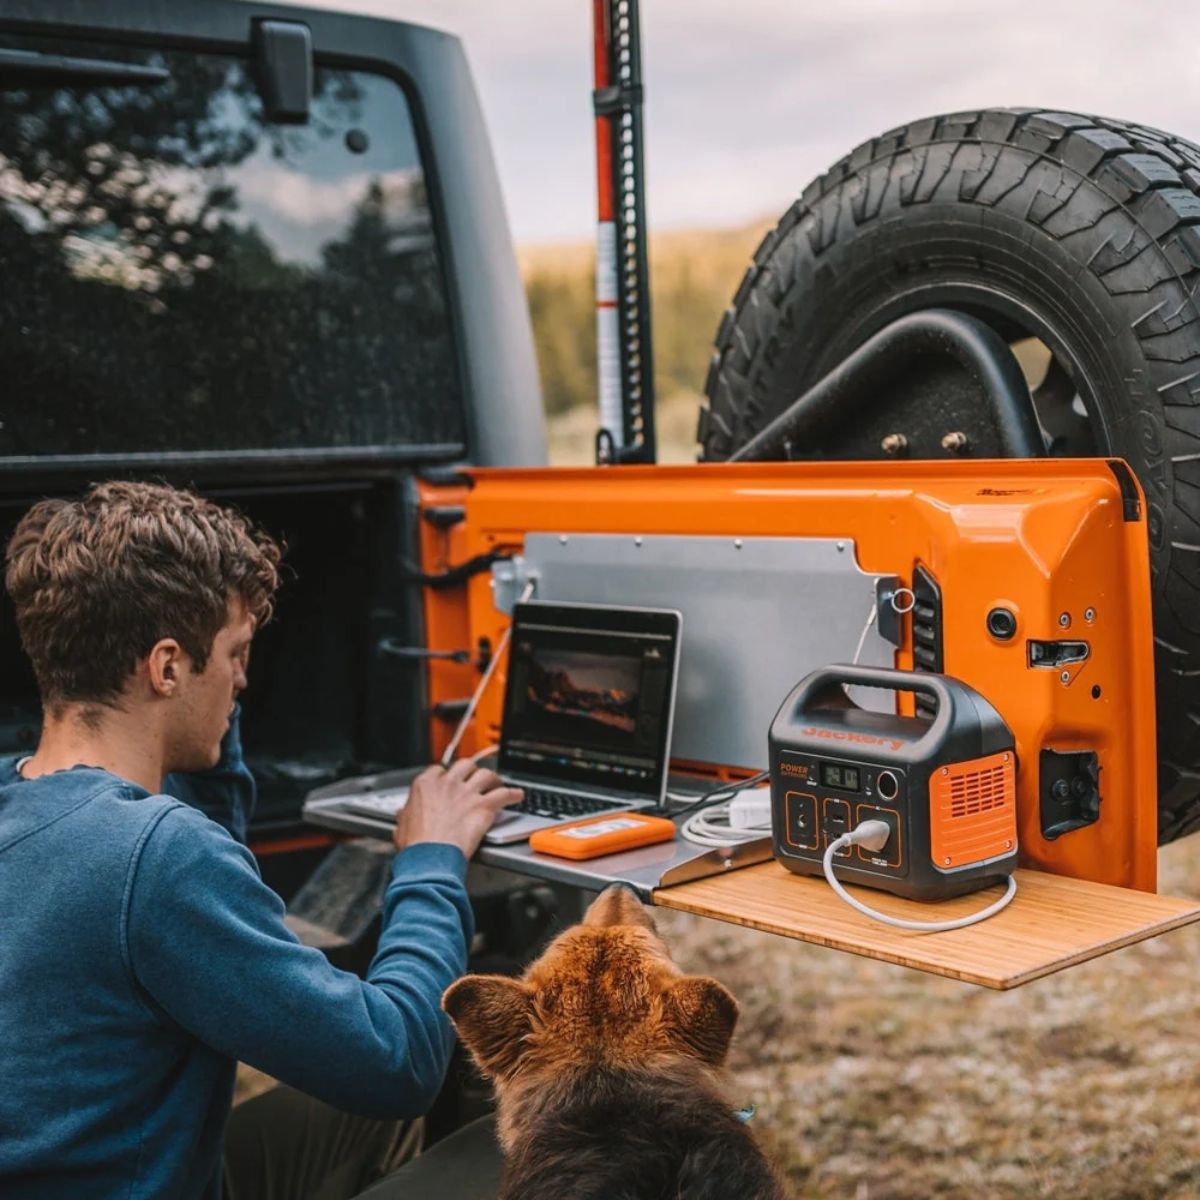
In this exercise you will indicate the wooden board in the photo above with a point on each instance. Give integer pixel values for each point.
(1052, 923)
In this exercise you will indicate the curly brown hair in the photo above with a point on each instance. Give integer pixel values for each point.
(97, 581)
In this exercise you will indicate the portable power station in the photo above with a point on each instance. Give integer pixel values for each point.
(945, 786)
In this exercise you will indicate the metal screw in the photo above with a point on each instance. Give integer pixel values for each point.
(637, 541)
(1008, 845)
(945, 770)
(1065, 677)
(955, 442)
(737, 543)
(1089, 614)
(1006, 758)
(946, 861)
(1064, 619)
(562, 539)
(894, 443)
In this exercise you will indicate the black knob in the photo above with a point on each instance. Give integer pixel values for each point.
(1002, 623)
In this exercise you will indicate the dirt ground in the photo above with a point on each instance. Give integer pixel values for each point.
(875, 1082)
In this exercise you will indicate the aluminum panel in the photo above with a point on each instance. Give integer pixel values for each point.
(758, 614)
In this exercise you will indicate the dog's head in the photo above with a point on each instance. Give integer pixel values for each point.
(605, 994)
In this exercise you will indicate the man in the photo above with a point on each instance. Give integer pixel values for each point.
(141, 955)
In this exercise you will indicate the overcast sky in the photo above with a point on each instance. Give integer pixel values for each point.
(749, 99)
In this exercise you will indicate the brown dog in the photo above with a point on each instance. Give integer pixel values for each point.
(607, 1064)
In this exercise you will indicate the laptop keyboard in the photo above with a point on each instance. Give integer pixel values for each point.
(561, 806)
(557, 806)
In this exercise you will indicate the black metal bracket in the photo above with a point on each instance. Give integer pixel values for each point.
(398, 649)
(1131, 505)
(1069, 786)
(444, 516)
(284, 61)
(863, 376)
(887, 615)
(616, 99)
(459, 574)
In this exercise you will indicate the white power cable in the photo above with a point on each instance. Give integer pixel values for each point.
(862, 637)
(711, 827)
(874, 835)
(448, 754)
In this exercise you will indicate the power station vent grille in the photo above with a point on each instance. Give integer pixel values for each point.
(977, 792)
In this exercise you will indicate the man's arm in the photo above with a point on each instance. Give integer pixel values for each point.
(207, 944)
(226, 793)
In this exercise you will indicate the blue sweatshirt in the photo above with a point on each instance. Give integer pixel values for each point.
(141, 956)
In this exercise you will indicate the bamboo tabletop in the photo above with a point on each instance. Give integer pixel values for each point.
(1052, 923)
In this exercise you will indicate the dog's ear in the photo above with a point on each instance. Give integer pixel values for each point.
(701, 1015)
(492, 1014)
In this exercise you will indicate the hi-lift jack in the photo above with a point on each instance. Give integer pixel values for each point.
(624, 352)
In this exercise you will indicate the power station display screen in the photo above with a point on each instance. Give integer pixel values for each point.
(846, 779)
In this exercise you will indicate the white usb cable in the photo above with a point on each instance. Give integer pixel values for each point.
(448, 754)
(873, 835)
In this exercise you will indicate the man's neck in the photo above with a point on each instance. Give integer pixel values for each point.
(122, 742)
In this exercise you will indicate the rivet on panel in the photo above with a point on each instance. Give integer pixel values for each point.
(1065, 677)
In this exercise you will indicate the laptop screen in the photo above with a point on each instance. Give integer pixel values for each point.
(590, 695)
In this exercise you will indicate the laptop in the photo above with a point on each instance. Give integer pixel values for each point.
(588, 710)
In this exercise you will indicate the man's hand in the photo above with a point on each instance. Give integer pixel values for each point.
(454, 806)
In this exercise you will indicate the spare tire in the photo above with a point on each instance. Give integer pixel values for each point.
(1080, 233)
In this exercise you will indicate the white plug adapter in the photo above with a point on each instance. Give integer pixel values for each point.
(751, 809)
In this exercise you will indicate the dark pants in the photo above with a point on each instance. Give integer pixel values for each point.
(463, 1166)
(284, 1145)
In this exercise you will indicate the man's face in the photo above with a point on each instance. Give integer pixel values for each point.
(206, 698)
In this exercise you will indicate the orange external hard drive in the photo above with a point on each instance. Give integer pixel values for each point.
(602, 835)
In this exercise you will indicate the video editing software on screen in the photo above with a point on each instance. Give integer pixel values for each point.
(588, 703)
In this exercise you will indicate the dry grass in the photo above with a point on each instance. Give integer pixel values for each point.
(879, 1083)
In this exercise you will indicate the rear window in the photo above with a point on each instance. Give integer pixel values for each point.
(181, 275)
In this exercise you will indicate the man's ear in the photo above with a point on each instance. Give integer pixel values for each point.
(492, 1014)
(164, 666)
(701, 1015)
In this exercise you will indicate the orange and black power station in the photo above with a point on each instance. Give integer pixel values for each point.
(943, 780)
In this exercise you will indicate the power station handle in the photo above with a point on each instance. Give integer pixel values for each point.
(889, 678)
(808, 693)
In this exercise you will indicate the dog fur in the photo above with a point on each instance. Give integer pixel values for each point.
(607, 1065)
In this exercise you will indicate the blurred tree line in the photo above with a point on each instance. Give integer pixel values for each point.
(693, 278)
